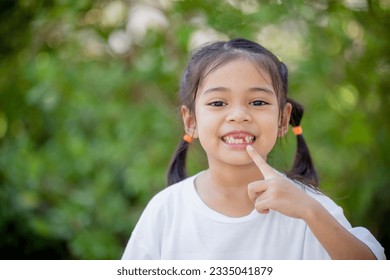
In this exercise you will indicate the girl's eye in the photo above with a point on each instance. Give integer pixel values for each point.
(217, 103)
(258, 103)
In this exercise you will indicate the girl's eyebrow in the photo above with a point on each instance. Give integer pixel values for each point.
(265, 89)
(252, 89)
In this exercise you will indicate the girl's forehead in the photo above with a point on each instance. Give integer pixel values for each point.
(237, 70)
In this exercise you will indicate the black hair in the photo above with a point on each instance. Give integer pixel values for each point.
(211, 56)
(303, 168)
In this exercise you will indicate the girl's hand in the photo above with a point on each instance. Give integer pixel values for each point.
(276, 192)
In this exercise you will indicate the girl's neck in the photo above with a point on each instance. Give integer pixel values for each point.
(233, 177)
(225, 189)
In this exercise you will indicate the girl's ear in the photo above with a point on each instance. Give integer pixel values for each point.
(189, 121)
(284, 120)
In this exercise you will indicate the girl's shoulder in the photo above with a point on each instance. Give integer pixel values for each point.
(175, 193)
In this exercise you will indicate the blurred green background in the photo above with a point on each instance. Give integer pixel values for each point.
(89, 116)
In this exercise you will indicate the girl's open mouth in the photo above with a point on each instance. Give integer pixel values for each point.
(238, 138)
(231, 139)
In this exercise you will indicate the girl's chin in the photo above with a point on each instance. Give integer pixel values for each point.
(236, 158)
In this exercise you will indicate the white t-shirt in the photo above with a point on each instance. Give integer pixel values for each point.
(177, 224)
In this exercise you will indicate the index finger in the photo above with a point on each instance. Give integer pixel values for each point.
(264, 168)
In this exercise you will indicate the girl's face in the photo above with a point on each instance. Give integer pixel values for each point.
(236, 106)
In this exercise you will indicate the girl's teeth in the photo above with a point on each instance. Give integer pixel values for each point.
(231, 140)
(249, 139)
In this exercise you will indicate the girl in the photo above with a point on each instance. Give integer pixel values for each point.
(234, 100)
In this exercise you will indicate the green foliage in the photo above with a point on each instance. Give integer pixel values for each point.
(89, 117)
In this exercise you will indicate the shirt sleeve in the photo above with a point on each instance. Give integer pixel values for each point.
(367, 238)
(145, 240)
(135, 250)
(359, 232)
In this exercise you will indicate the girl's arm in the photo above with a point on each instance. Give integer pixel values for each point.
(277, 193)
(337, 241)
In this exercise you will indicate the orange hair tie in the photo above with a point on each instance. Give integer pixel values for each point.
(188, 138)
(297, 130)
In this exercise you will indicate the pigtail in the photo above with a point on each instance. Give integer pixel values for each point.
(303, 167)
(177, 167)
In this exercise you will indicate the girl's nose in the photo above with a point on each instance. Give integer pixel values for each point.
(238, 114)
